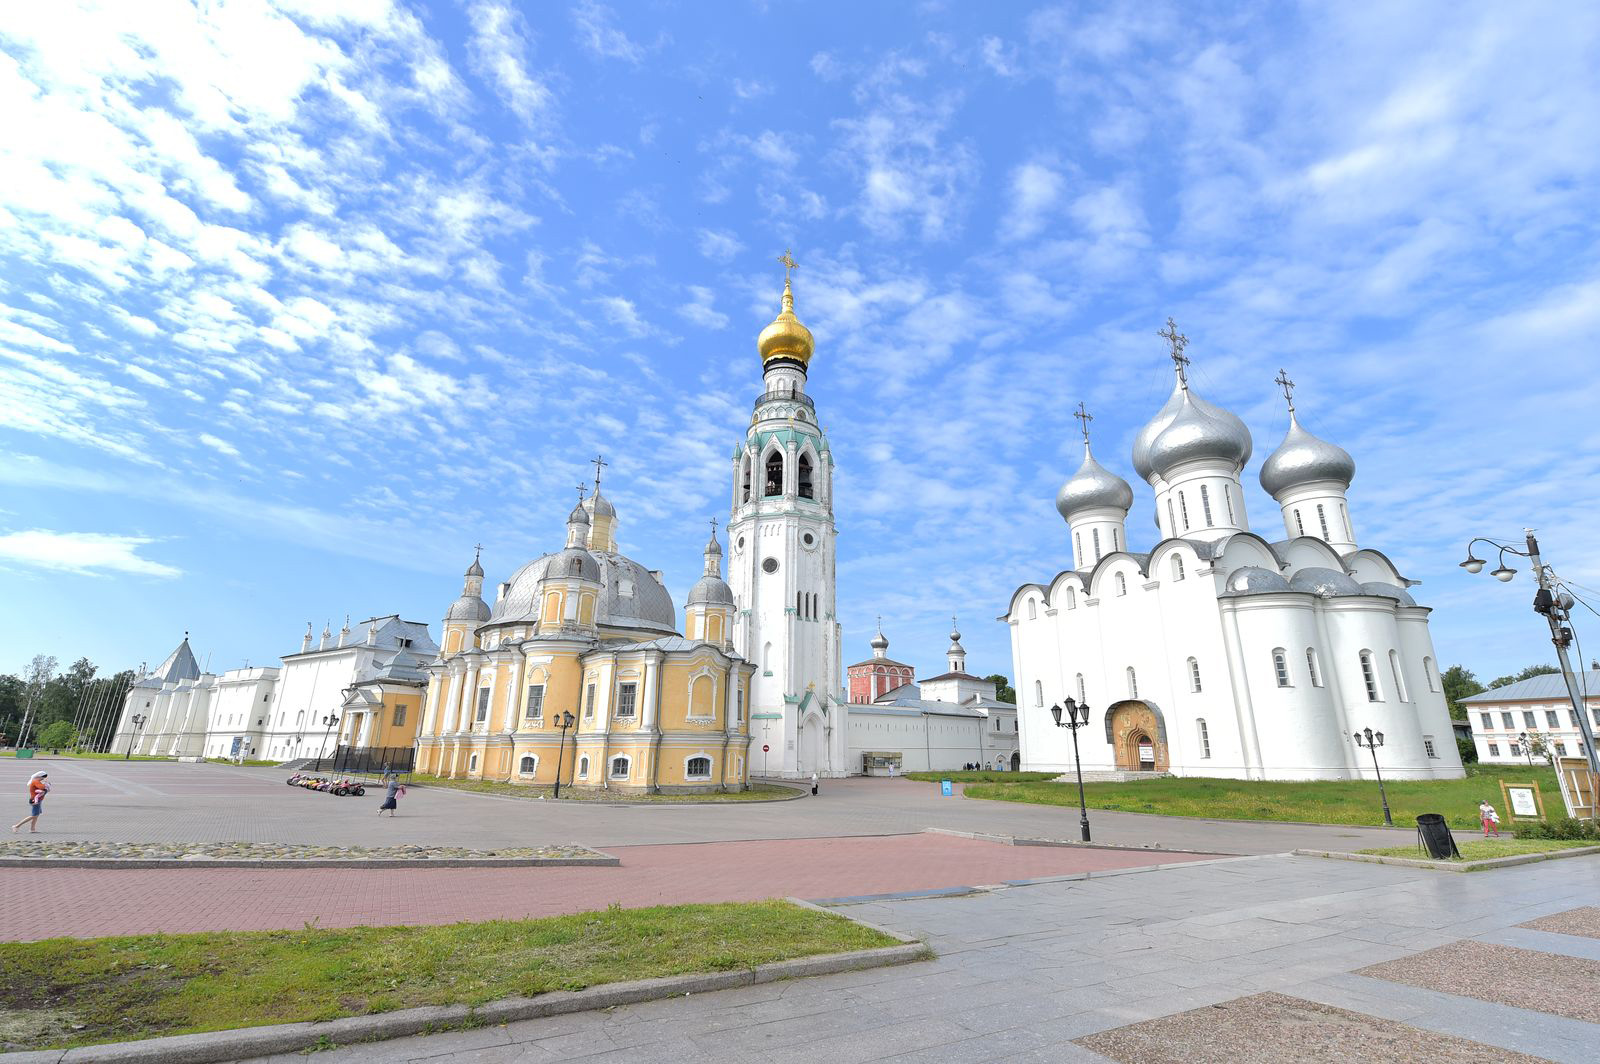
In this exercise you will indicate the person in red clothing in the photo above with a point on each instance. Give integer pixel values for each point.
(37, 789)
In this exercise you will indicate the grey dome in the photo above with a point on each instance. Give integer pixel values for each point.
(1328, 583)
(1093, 485)
(646, 604)
(573, 562)
(1389, 591)
(879, 642)
(1143, 443)
(1196, 433)
(474, 569)
(1254, 580)
(467, 608)
(710, 590)
(1302, 458)
(598, 504)
(578, 516)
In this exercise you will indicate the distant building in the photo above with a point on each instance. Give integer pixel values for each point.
(1538, 705)
(879, 674)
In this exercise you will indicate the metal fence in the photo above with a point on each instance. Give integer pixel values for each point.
(373, 760)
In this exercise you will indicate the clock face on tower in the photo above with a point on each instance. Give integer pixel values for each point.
(770, 565)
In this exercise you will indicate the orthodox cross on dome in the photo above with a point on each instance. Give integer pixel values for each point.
(583, 489)
(880, 624)
(1177, 341)
(477, 552)
(599, 462)
(1282, 380)
(788, 264)
(1084, 417)
(713, 528)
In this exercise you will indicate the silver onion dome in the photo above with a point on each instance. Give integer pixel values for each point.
(1302, 458)
(711, 590)
(1327, 583)
(1093, 485)
(1199, 432)
(1254, 580)
(599, 505)
(467, 608)
(1144, 461)
(1389, 591)
(879, 642)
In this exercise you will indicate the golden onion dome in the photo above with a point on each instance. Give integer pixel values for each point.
(786, 337)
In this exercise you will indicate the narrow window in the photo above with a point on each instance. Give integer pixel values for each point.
(744, 467)
(1573, 715)
(1280, 667)
(1300, 526)
(483, 704)
(1072, 599)
(1494, 749)
(1488, 720)
(1077, 538)
(1122, 584)
(799, 605)
(774, 474)
(698, 768)
(472, 763)
(619, 768)
(1081, 696)
(1427, 745)
(583, 767)
(1551, 719)
(625, 695)
(1561, 749)
(1177, 567)
(1506, 720)
(1205, 505)
(805, 477)
(1172, 522)
(1194, 676)
(1322, 519)
(1096, 535)
(1515, 749)
(1183, 510)
(588, 702)
(1369, 676)
(1033, 610)
(535, 702)
(1133, 683)
(1205, 736)
(1428, 671)
(1116, 540)
(1344, 519)
(1038, 693)
(1400, 691)
(738, 704)
(527, 766)
(1227, 497)
(1311, 667)
(1527, 719)
(400, 716)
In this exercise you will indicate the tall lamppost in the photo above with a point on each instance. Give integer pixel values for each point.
(1077, 717)
(1555, 605)
(566, 722)
(328, 722)
(1373, 740)
(137, 720)
(1527, 748)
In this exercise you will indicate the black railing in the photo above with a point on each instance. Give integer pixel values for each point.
(369, 760)
(786, 397)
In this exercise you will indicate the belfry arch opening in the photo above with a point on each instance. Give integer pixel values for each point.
(805, 489)
(744, 476)
(774, 477)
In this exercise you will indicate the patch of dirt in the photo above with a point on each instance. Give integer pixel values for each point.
(32, 1028)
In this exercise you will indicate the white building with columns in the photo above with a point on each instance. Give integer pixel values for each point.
(781, 540)
(1219, 651)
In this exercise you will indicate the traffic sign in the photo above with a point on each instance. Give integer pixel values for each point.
(765, 748)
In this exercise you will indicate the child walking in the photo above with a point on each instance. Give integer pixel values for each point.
(37, 789)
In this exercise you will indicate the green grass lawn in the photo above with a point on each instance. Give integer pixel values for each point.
(757, 792)
(1483, 849)
(110, 755)
(982, 776)
(247, 764)
(150, 985)
(1321, 802)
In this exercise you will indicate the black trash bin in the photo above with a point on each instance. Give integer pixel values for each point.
(1434, 838)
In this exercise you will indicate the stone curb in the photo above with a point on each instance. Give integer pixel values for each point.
(1224, 820)
(798, 793)
(1454, 866)
(249, 1042)
(1017, 840)
(605, 860)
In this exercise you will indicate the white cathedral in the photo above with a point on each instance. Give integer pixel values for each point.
(1219, 651)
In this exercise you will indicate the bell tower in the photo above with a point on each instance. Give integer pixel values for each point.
(781, 564)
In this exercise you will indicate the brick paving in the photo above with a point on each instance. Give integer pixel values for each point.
(85, 902)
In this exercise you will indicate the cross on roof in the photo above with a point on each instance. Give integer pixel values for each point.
(583, 489)
(477, 552)
(1084, 417)
(599, 462)
(1178, 342)
(713, 528)
(788, 264)
(1282, 380)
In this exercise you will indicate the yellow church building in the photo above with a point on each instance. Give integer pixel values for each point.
(590, 632)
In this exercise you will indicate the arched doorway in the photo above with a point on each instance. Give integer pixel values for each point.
(1138, 736)
(1016, 762)
(811, 746)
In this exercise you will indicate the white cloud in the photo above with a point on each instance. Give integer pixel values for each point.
(221, 446)
(1035, 191)
(718, 245)
(84, 553)
(700, 311)
(599, 37)
(499, 50)
(623, 314)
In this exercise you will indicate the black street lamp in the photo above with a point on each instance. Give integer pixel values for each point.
(1373, 741)
(566, 722)
(137, 720)
(1527, 748)
(1077, 717)
(328, 722)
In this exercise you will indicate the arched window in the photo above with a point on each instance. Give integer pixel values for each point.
(1369, 676)
(1205, 736)
(1033, 610)
(620, 767)
(805, 477)
(1072, 599)
(1205, 505)
(1096, 535)
(1183, 510)
(1311, 667)
(1280, 666)
(1077, 539)
(528, 765)
(1427, 673)
(744, 477)
(1194, 676)
(1322, 519)
(1081, 696)
(1038, 693)
(1299, 525)
(774, 478)
(1122, 584)
(583, 767)
(698, 768)
(1399, 677)
(1133, 683)
(1177, 567)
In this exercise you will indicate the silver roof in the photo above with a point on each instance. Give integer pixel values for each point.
(1091, 486)
(180, 665)
(1302, 458)
(467, 608)
(1328, 583)
(1550, 685)
(711, 589)
(598, 503)
(631, 597)
(1386, 590)
(1143, 444)
(1199, 430)
(1254, 580)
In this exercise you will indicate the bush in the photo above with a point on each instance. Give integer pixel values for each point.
(56, 735)
(1468, 750)
(1564, 828)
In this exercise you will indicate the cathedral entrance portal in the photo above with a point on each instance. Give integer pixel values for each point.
(811, 746)
(1138, 736)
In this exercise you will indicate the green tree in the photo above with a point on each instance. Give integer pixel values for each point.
(1526, 674)
(57, 735)
(1002, 689)
(1468, 749)
(63, 693)
(1459, 683)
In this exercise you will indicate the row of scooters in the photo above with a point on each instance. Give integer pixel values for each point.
(341, 787)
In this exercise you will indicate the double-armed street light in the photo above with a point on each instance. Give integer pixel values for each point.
(328, 722)
(1527, 748)
(137, 720)
(1371, 740)
(1555, 604)
(566, 722)
(1077, 717)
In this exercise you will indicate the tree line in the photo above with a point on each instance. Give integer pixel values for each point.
(52, 708)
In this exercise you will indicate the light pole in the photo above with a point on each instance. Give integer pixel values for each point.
(566, 722)
(1373, 741)
(1556, 607)
(137, 720)
(1077, 717)
(329, 721)
(1527, 748)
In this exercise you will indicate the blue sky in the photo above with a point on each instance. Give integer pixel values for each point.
(298, 303)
